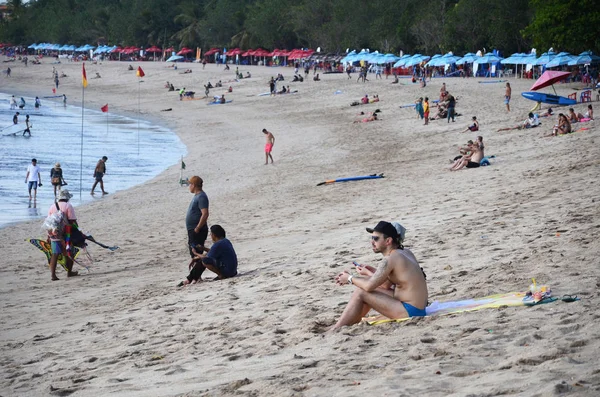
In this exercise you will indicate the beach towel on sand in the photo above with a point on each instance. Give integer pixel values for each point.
(512, 299)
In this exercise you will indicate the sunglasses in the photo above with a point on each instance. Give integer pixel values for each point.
(375, 238)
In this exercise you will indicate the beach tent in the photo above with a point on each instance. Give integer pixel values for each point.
(548, 78)
(561, 59)
(585, 58)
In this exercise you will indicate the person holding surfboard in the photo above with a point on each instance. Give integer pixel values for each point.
(58, 236)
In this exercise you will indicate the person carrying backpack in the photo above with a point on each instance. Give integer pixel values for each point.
(61, 220)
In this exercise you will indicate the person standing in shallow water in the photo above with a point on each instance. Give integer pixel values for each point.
(99, 172)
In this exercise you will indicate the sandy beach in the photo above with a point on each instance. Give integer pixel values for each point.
(124, 329)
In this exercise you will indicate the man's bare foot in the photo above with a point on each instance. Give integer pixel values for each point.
(54, 278)
(92, 192)
(104, 192)
(72, 274)
(183, 283)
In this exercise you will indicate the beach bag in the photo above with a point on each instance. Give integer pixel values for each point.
(55, 223)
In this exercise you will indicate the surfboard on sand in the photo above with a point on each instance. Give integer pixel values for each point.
(46, 248)
(548, 98)
(352, 178)
(219, 103)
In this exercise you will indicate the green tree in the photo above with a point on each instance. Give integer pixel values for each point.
(566, 25)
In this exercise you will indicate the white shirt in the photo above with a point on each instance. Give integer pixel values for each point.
(34, 172)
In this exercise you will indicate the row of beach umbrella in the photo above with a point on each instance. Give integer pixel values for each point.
(548, 59)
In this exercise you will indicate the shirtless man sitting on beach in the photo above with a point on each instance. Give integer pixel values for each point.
(396, 289)
(471, 160)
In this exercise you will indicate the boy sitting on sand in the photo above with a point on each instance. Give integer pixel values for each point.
(221, 258)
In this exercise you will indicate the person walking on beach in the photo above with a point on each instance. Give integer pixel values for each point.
(56, 80)
(426, 110)
(268, 146)
(33, 178)
(99, 172)
(16, 118)
(221, 258)
(507, 95)
(56, 178)
(57, 236)
(396, 289)
(197, 217)
(64, 100)
(13, 103)
(27, 129)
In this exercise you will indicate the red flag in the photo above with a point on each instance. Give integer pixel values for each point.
(140, 72)
(104, 108)
(54, 90)
(83, 76)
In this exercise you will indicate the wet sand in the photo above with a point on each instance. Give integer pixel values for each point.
(124, 329)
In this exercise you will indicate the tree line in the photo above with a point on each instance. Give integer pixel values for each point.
(413, 26)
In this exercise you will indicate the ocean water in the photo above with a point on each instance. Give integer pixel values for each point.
(56, 137)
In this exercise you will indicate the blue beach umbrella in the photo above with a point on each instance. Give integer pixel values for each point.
(416, 59)
(390, 58)
(348, 56)
(585, 58)
(488, 58)
(545, 58)
(32, 46)
(434, 60)
(514, 59)
(400, 63)
(468, 58)
(561, 59)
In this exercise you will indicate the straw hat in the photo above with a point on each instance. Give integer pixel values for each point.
(57, 165)
(64, 195)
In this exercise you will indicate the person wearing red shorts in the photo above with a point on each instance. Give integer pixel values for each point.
(268, 146)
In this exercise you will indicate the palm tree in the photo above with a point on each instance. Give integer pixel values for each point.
(191, 20)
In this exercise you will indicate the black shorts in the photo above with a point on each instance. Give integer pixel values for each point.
(225, 271)
(472, 164)
(195, 239)
(98, 176)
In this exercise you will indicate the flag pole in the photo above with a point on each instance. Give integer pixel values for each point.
(81, 144)
(106, 123)
(139, 115)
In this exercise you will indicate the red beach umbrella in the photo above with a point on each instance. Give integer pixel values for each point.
(185, 51)
(153, 49)
(170, 49)
(549, 77)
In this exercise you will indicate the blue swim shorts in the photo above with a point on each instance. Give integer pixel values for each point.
(413, 311)
(56, 247)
